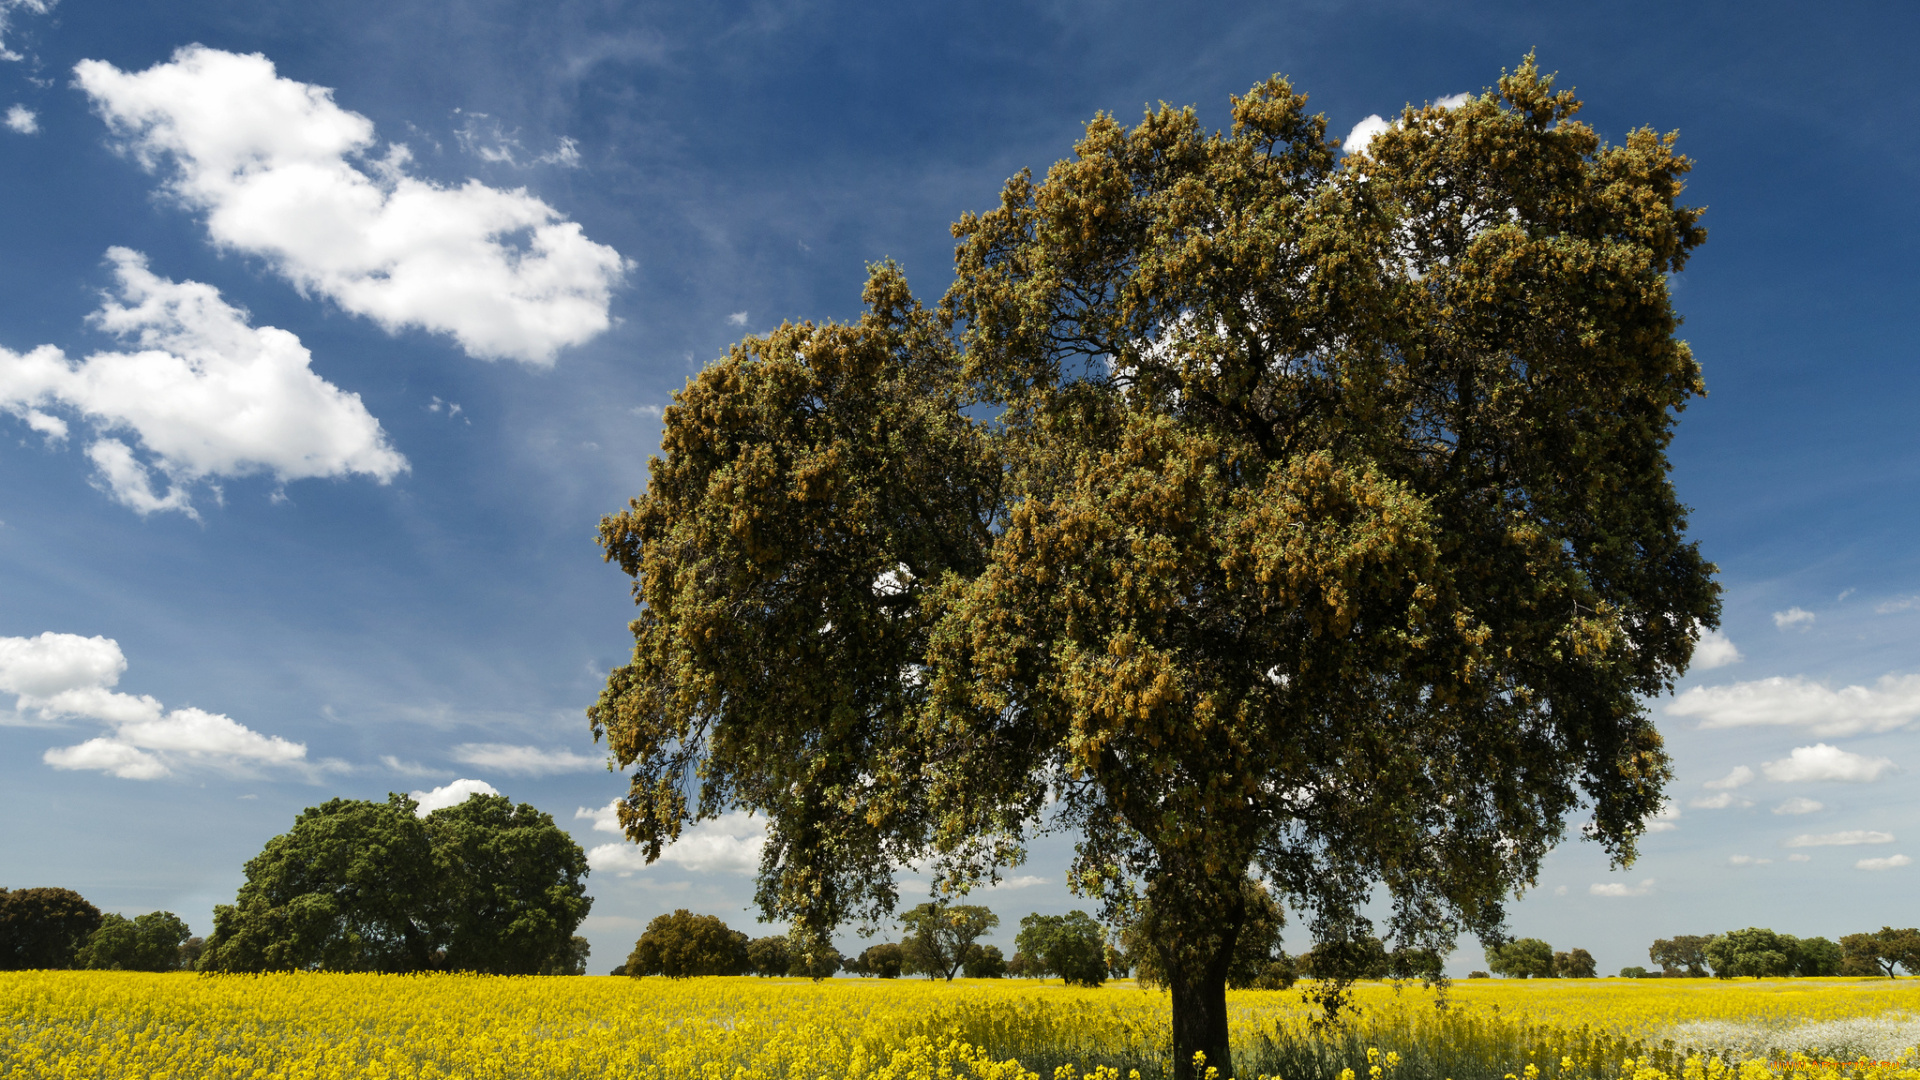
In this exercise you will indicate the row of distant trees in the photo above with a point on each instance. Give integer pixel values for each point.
(483, 886)
(1757, 952)
(940, 942)
(58, 928)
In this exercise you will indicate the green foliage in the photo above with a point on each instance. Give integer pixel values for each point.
(682, 945)
(816, 964)
(1816, 957)
(570, 961)
(1681, 955)
(1754, 952)
(511, 887)
(363, 886)
(1879, 953)
(883, 961)
(1526, 958)
(1258, 961)
(1322, 523)
(1023, 967)
(150, 942)
(939, 936)
(43, 928)
(1574, 964)
(985, 962)
(769, 957)
(1070, 946)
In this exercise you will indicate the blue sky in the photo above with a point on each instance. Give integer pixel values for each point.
(303, 437)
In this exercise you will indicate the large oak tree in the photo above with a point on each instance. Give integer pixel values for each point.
(1242, 509)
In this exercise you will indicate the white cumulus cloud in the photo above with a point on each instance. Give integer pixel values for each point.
(1620, 888)
(1714, 650)
(1363, 133)
(283, 172)
(1852, 838)
(22, 120)
(605, 818)
(1887, 863)
(1799, 805)
(205, 394)
(1719, 802)
(523, 760)
(1748, 860)
(730, 843)
(1892, 702)
(450, 794)
(66, 676)
(1822, 762)
(1739, 777)
(1794, 618)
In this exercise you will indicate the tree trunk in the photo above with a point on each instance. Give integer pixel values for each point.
(1200, 1017)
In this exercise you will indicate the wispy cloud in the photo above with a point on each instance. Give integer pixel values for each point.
(1799, 805)
(1851, 838)
(1621, 888)
(730, 844)
(1739, 777)
(1892, 702)
(1794, 618)
(65, 676)
(1748, 860)
(1888, 863)
(523, 760)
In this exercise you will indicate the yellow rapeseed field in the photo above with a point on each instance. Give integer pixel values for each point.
(112, 1025)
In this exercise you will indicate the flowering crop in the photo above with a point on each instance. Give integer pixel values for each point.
(112, 1025)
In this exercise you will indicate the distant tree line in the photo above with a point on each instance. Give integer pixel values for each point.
(52, 928)
(1760, 953)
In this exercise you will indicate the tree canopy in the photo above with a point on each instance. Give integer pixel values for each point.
(940, 936)
(1069, 946)
(362, 886)
(1240, 506)
(43, 928)
(682, 945)
(150, 942)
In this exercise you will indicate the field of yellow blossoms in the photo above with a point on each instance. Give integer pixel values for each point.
(105, 1025)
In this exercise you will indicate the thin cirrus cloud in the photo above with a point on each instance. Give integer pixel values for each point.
(205, 395)
(1891, 702)
(1820, 762)
(283, 172)
(58, 677)
(8, 8)
(1888, 863)
(1799, 805)
(1794, 618)
(523, 760)
(1620, 888)
(730, 843)
(1851, 838)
